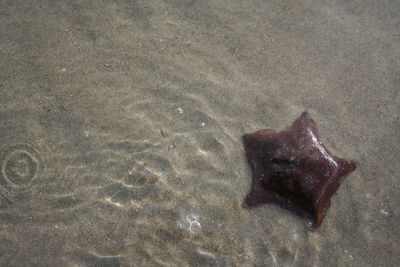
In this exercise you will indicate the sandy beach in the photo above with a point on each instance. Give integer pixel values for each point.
(121, 126)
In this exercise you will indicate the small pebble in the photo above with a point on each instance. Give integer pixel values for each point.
(179, 110)
(384, 212)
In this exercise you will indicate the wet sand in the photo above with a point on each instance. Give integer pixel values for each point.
(121, 128)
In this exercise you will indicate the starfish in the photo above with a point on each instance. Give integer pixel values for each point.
(294, 169)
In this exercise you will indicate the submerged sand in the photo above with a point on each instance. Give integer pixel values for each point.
(121, 128)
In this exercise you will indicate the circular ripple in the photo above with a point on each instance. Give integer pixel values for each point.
(20, 165)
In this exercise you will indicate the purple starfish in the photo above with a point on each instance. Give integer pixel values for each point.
(294, 169)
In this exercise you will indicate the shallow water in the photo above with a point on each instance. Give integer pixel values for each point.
(121, 126)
